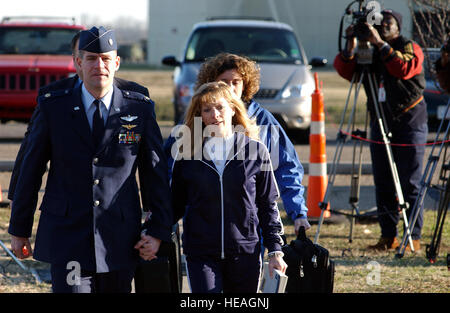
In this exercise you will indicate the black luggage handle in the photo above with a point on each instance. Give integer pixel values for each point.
(301, 233)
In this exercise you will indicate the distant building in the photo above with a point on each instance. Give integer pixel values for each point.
(316, 23)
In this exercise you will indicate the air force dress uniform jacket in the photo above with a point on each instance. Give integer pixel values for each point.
(65, 83)
(91, 211)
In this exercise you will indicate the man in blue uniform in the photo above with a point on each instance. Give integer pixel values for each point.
(95, 137)
(65, 83)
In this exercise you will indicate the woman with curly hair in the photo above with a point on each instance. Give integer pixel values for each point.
(221, 223)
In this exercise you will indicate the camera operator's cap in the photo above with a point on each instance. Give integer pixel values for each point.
(396, 15)
(97, 40)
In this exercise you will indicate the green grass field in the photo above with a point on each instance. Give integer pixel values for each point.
(357, 269)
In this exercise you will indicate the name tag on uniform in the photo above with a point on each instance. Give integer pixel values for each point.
(129, 138)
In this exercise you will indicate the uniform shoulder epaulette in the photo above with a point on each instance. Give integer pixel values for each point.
(55, 94)
(136, 96)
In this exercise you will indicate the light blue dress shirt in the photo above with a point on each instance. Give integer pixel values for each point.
(89, 107)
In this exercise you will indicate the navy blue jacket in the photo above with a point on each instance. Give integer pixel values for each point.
(287, 167)
(222, 213)
(73, 226)
(62, 84)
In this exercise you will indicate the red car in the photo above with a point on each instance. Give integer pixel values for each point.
(33, 53)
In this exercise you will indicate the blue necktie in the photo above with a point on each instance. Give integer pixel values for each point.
(98, 126)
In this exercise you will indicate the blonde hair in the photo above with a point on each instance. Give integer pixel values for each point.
(210, 92)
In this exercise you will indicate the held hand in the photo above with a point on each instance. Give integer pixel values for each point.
(21, 247)
(299, 222)
(374, 36)
(148, 246)
(276, 262)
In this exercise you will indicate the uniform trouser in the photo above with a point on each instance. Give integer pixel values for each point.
(409, 161)
(211, 274)
(63, 281)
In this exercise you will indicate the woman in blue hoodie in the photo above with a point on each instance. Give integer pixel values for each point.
(225, 190)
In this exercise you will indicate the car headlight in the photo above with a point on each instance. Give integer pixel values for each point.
(296, 91)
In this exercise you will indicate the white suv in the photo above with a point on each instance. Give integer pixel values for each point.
(286, 80)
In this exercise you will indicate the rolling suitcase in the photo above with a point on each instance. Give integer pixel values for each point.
(161, 275)
(310, 269)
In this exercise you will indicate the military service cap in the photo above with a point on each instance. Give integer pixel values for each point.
(97, 40)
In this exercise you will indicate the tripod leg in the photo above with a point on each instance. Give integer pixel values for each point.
(432, 249)
(381, 123)
(443, 208)
(425, 183)
(356, 174)
(340, 141)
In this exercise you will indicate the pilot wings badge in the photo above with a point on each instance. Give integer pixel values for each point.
(129, 126)
(128, 118)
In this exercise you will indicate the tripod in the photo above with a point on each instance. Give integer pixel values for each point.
(357, 81)
(443, 188)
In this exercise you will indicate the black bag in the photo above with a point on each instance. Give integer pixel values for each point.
(309, 267)
(161, 275)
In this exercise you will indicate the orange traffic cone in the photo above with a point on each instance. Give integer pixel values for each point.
(318, 179)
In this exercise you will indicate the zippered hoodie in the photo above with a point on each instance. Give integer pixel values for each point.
(223, 212)
(287, 167)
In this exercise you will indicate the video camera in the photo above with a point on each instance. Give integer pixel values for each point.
(360, 27)
(366, 13)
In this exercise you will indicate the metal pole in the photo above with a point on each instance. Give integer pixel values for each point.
(426, 180)
(339, 148)
(401, 201)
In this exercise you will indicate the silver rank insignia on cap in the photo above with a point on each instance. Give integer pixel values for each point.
(48, 95)
(110, 41)
(128, 118)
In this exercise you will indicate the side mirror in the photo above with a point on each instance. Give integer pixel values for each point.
(170, 60)
(318, 61)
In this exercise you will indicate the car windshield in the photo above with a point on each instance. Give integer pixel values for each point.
(259, 44)
(32, 40)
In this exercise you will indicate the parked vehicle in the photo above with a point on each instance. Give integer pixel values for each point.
(33, 53)
(286, 80)
(434, 96)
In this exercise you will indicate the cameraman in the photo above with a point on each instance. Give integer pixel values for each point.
(442, 66)
(397, 65)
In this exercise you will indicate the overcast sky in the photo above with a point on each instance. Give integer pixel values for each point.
(106, 10)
